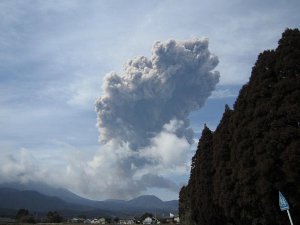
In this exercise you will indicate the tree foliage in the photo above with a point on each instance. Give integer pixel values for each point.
(54, 217)
(24, 216)
(238, 170)
(145, 215)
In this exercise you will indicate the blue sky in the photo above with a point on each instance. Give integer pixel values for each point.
(54, 57)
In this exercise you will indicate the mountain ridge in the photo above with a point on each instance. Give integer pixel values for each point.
(13, 199)
(33, 200)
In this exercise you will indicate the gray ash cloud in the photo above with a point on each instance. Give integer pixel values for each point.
(176, 80)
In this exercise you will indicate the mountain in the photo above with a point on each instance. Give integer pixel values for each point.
(153, 204)
(135, 206)
(33, 200)
(12, 199)
(150, 201)
(254, 152)
(140, 205)
(48, 190)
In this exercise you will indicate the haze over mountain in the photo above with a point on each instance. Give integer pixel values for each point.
(239, 168)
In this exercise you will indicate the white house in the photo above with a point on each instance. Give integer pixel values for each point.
(102, 220)
(94, 221)
(128, 221)
(147, 220)
(176, 219)
(77, 220)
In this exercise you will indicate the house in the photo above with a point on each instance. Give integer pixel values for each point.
(127, 221)
(87, 221)
(176, 219)
(147, 220)
(77, 220)
(94, 221)
(171, 219)
(155, 221)
(102, 220)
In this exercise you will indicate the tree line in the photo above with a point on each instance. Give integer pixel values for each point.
(24, 216)
(254, 152)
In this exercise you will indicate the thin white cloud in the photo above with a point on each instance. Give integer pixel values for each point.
(223, 93)
(85, 92)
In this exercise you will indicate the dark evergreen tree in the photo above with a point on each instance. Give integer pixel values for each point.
(54, 217)
(116, 219)
(145, 215)
(238, 170)
(185, 210)
(24, 216)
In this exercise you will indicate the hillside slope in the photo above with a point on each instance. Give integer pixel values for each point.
(134, 206)
(12, 199)
(48, 190)
(238, 170)
(33, 200)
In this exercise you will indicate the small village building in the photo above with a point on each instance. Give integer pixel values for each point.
(77, 220)
(176, 219)
(98, 221)
(147, 220)
(94, 221)
(87, 221)
(127, 221)
(102, 220)
(155, 221)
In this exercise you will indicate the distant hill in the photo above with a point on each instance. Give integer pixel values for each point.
(150, 201)
(139, 205)
(33, 200)
(48, 190)
(72, 205)
(239, 168)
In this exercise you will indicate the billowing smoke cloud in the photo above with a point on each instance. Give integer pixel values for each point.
(177, 79)
(143, 116)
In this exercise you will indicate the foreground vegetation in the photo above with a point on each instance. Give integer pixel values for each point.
(238, 170)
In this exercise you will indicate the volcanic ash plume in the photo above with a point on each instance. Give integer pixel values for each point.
(143, 117)
(177, 79)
